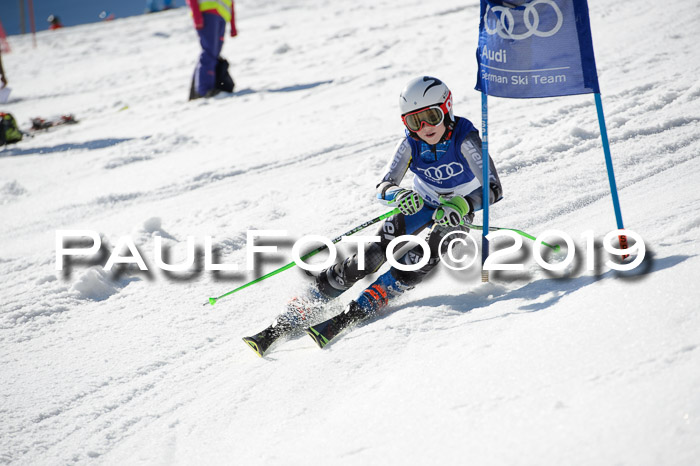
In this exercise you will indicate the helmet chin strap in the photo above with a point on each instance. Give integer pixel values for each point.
(449, 128)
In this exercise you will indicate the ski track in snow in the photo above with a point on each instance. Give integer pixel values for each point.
(597, 367)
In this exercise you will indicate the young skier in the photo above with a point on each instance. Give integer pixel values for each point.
(444, 154)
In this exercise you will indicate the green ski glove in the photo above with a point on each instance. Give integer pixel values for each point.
(452, 212)
(408, 202)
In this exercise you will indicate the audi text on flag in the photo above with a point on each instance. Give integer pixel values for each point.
(535, 48)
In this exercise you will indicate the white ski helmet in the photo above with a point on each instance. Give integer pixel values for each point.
(425, 92)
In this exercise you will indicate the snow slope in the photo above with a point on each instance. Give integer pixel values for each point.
(598, 367)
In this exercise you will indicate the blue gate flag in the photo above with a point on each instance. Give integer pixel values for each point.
(535, 48)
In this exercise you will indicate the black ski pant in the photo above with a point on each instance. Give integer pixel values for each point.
(335, 280)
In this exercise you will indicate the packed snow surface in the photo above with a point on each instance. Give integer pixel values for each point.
(589, 367)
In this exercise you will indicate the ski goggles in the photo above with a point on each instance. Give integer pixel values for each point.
(431, 116)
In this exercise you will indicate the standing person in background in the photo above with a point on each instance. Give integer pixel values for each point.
(210, 17)
(54, 22)
(151, 6)
(3, 78)
(4, 95)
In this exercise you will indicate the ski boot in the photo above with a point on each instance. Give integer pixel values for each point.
(298, 310)
(370, 301)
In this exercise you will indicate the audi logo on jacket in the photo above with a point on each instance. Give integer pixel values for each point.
(454, 170)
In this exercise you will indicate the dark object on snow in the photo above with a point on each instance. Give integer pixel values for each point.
(40, 123)
(224, 81)
(9, 131)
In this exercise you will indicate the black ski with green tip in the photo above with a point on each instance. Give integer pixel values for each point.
(324, 332)
(262, 341)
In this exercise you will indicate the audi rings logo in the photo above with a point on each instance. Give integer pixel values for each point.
(443, 172)
(505, 23)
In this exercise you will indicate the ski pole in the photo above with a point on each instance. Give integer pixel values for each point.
(213, 301)
(444, 200)
(555, 247)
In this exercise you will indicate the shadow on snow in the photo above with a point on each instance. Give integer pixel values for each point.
(293, 88)
(556, 287)
(88, 145)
